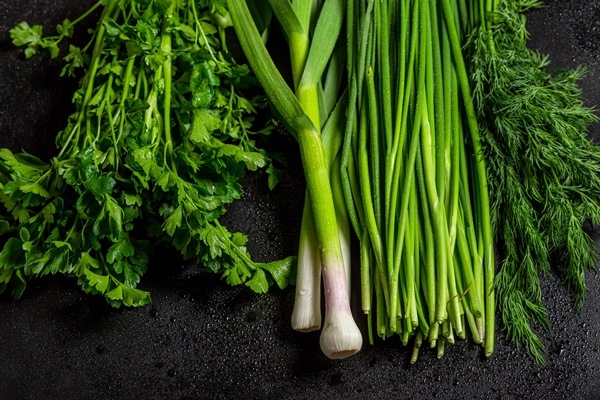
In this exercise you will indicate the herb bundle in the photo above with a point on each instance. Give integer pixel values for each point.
(414, 176)
(165, 125)
(543, 170)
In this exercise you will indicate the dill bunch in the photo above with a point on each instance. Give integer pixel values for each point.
(543, 171)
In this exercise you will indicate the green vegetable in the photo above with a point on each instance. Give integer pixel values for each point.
(301, 112)
(164, 127)
(543, 169)
(415, 178)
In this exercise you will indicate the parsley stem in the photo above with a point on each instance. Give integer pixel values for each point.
(167, 64)
(88, 80)
(127, 82)
(87, 13)
(201, 30)
(66, 28)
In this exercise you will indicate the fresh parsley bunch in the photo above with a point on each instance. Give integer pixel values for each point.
(164, 127)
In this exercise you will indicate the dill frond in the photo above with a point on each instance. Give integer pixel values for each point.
(544, 172)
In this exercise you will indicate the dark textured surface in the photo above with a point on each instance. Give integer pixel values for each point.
(201, 339)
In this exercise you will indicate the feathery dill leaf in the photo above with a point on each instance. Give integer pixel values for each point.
(543, 170)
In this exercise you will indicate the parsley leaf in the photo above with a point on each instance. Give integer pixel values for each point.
(147, 155)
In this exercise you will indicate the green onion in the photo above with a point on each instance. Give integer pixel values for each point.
(340, 336)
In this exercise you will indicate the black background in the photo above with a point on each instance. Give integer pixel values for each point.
(202, 339)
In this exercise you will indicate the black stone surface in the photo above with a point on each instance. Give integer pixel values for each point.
(201, 339)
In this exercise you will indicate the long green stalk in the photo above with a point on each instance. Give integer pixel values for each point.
(409, 175)
(480, 169)
(394, 166)
(306, 314)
